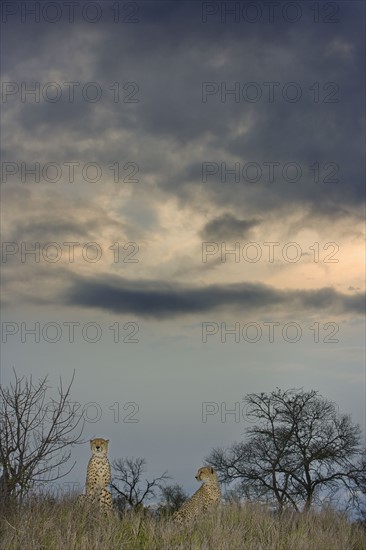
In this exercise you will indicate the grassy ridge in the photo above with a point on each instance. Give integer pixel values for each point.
(64, 526)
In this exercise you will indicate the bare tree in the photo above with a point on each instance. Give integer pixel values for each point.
(35, 434)
(172, 498)
(299, 449)
(130, 489)
(357, 488)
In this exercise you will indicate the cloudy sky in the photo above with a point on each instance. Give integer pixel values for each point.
(182, 220)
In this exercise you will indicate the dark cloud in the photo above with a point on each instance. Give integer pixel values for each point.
(159, 299)
(227, 227)
(173, 53)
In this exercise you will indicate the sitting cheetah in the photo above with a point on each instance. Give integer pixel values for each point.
(205, 498)
(98, 475)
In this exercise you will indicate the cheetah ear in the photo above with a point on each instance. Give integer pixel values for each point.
(91, 443)
(211, 470)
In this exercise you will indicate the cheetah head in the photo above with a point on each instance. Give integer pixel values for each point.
(99, 446)
(206, 474)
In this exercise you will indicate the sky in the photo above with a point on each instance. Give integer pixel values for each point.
(183, 214)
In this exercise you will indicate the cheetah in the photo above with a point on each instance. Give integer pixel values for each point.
(205, 498)
(98, 475)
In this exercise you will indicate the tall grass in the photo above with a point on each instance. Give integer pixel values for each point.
(63, 525)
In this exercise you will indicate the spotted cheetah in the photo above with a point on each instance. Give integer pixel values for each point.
(205, 498)
(98, 475)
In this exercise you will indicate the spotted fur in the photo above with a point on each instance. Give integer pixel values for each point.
(204, 499)
(98, 475)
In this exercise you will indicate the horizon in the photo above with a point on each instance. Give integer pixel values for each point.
(183, 214)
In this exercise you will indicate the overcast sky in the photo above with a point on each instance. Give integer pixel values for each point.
(205, 169)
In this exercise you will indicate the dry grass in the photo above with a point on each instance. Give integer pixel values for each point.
(63, 525)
